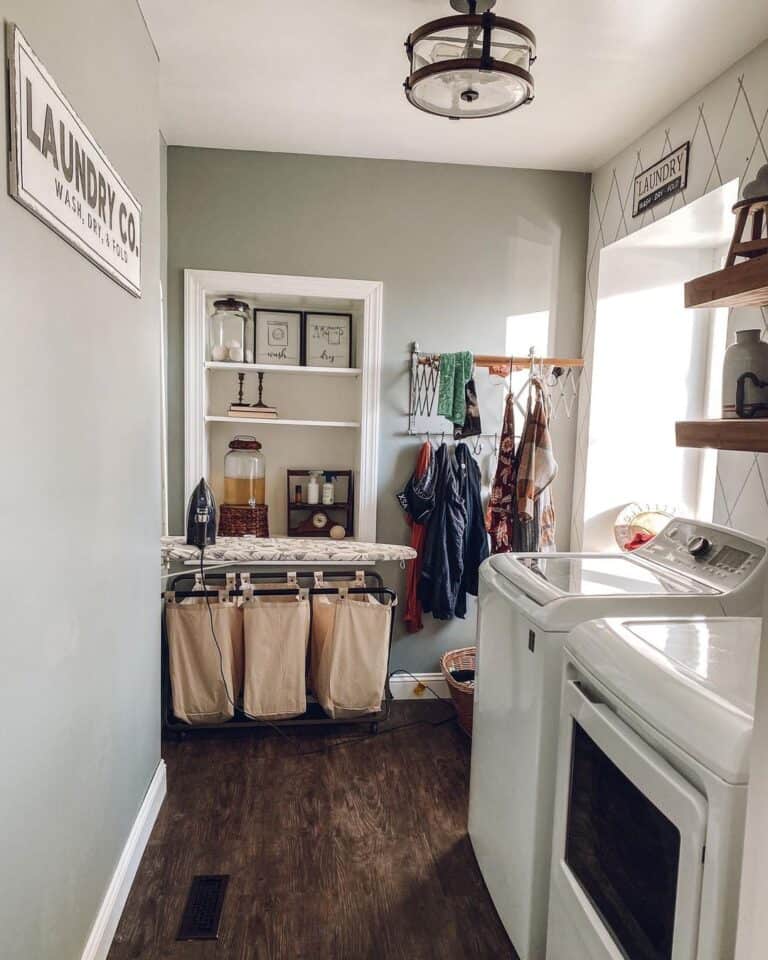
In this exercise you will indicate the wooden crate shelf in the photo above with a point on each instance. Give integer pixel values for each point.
(745, 435)
(743, 285)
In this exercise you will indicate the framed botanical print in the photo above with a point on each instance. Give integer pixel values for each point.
(328, 338)
(277, 337)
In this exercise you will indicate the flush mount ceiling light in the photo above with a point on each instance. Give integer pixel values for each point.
(473, 65)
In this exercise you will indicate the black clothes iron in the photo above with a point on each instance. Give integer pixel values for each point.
(201, 516)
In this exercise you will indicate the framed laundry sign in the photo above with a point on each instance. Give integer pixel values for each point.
(662, 180)
(60, 173)
(278, 337)
(328, 339)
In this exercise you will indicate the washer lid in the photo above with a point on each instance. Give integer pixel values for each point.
(692, 679)
(546, 577)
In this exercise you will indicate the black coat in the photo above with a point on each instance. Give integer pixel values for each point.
(475, 535)
(443, 564)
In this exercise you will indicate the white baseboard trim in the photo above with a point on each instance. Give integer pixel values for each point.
(110, 911)
(403, 686)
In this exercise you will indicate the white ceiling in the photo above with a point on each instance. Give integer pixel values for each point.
(326, 77)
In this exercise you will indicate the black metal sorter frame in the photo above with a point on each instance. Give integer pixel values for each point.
(315, 715)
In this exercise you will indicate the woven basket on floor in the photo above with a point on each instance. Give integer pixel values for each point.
(462, 694)
(235, 521)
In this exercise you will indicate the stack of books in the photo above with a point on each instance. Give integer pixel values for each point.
(252, 411)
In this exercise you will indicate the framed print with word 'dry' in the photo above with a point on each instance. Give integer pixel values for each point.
(328, 339)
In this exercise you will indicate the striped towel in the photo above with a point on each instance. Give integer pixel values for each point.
(537, 467)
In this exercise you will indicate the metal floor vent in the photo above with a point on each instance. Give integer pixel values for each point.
(202, 912)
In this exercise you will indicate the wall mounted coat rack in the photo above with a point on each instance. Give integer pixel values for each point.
(560, 374)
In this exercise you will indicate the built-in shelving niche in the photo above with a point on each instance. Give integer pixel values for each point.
(328, 417)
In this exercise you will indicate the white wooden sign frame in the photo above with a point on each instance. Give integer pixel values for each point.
(59, 173)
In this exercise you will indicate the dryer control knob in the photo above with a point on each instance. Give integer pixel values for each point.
(699, 546)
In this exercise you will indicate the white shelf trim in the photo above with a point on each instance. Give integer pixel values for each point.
(280, 422)
(199, 284)
(282, 368)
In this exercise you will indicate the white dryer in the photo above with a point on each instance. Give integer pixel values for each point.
(527, 606)
(651, 792)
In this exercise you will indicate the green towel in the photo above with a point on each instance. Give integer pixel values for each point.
(455, 370)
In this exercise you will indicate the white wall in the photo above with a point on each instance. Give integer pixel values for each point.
(79, 506)
(650, 368)
(726, 125)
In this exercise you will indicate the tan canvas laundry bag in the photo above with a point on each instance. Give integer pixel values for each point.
(198, 690)
(276, 636)
(340, 584)
(350, 650)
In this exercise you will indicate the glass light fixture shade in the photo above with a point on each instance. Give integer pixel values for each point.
(470, 66)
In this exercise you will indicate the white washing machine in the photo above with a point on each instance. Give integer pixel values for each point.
(653, 764)
(527, 606)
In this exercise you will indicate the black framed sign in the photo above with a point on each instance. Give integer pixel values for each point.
(328, 338)
(662, 180)
(277, 337)
(61, 175)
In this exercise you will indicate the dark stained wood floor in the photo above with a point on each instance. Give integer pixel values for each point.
(360, 853)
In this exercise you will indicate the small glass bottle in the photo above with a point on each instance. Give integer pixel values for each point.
(313, 488)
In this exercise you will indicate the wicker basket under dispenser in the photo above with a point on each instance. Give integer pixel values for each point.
(462, 694)
(240, 521)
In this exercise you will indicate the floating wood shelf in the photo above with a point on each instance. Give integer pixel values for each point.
(746, 435)
(742, 285)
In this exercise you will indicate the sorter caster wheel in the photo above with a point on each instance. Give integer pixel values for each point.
(374, 728)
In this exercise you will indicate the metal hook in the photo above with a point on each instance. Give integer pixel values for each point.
(477, 445)
(495, 444)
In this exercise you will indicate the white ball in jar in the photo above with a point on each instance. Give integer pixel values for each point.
(220, 352)
(236, 354)
(337, 532)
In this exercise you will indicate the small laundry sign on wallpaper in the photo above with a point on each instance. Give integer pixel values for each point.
(329, 339)
(60, 173)
(662, 180)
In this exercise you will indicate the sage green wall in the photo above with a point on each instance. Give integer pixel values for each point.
(451, 244)
(79, 506)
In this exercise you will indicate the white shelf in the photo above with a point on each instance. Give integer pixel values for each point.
(279, 368)
(278, 421)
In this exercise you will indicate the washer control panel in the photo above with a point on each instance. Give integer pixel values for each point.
(721, 558)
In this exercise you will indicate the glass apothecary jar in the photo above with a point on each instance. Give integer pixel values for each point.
(244, 473)
(230, 331)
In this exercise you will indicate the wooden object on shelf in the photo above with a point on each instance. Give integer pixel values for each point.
(746, 435)
(300, 522)
(751, 221)
(743, 284)
(236, 520)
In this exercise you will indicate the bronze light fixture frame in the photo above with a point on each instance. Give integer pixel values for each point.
(484, 23)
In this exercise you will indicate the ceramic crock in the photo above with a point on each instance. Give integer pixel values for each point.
(749, 354)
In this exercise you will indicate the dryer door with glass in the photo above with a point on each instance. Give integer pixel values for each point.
(629, 840)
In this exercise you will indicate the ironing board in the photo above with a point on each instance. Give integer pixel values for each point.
(295, 551)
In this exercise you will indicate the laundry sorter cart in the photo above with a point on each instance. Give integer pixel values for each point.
(247, 584)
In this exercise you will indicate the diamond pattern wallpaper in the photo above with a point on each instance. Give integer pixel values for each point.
(727, 125)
